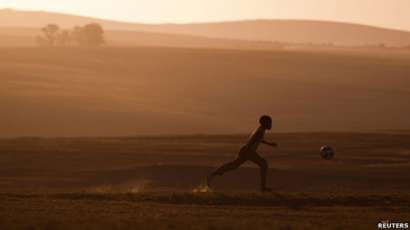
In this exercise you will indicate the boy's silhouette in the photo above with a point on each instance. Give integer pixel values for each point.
(248, 152)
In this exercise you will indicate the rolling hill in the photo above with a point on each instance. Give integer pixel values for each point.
(289, 31)
(130, 91)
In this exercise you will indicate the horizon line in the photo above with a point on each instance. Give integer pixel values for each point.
(204, 22)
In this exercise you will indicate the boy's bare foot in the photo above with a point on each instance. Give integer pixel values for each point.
(266, 189)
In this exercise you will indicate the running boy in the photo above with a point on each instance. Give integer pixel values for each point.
(248, 153)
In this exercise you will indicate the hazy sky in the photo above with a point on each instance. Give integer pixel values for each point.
(387, 13)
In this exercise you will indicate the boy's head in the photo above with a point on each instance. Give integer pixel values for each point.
(266, 122)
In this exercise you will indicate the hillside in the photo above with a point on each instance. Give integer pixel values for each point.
(296, 31)
(290, 31)
(26, 37)
(128, 91)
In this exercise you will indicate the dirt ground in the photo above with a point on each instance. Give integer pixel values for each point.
(158, 183)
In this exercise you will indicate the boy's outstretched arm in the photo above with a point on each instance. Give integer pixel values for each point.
(273, 144)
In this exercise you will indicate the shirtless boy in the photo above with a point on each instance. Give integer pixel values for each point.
(248, 153)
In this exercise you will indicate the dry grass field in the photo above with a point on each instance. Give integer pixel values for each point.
(77, 151)
(145, 91)
(154, 183)
(122, 136)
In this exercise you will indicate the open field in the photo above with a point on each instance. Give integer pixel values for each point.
(133, 211)
(117, 125)
(145, 91)
(88, 180)
(153, 182)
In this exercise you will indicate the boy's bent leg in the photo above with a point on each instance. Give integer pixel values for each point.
(225, 168)
(229, 166)
(263, 165)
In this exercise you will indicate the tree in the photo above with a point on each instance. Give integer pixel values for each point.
(77, 35)
(94, 34)
(50, 34)
(63, 38)
(89, 35)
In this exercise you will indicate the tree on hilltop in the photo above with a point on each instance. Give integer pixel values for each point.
(89, 35)
(50, 32)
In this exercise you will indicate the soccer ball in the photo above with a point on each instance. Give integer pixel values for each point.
(326, 152)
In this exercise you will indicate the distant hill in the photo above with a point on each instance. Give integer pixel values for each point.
(36, 19)
(290, 31)
(296, 31)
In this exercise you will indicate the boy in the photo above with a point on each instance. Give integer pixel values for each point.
(248, 152)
